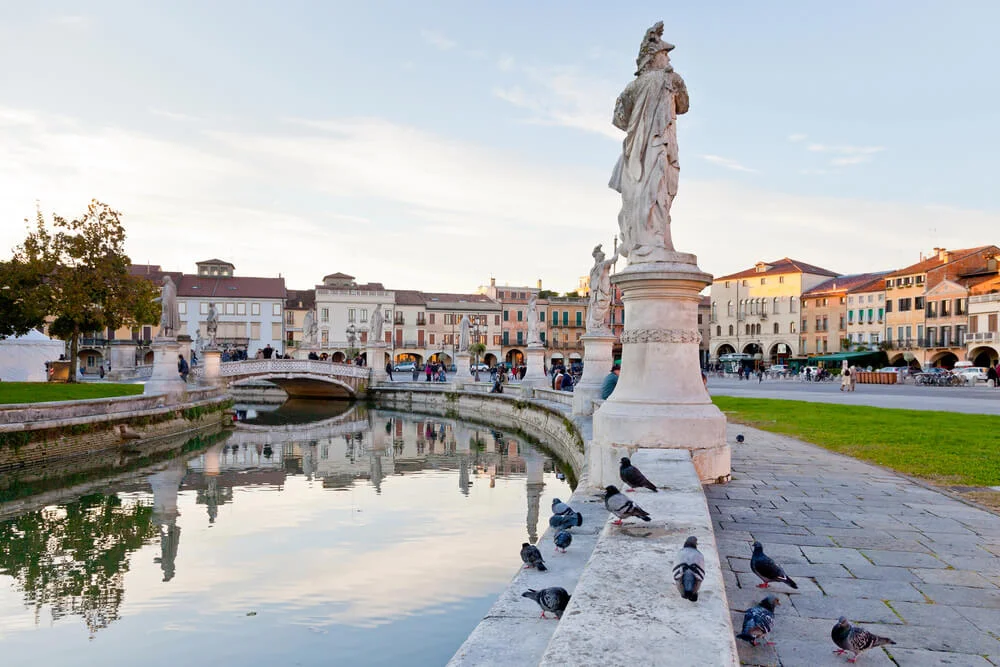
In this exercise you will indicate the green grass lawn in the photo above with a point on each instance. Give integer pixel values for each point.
(38, 392)
(942, 447)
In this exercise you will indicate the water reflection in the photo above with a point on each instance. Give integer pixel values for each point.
(323, 522)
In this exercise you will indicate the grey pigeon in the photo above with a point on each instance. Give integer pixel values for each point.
(634, 477)
(559, 507)
(566, 521)
(532, 557)
(758, 620)
(854, 639)
(764, 567)
(552, 599)
(563, 539)
(739, 437)
(622, 507)
(689, 569)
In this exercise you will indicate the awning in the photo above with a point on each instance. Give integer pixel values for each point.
(556, 355)
(870, 358)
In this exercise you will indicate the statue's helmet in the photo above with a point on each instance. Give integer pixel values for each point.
(651, 45)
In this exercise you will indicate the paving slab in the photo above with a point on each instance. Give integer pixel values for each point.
(892, 554)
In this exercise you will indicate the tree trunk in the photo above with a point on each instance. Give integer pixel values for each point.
(74, 347)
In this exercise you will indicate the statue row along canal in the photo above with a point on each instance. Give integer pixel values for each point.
(312, 534)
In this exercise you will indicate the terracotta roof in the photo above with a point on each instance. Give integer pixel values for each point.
(299, 299)
(783, 265)
(451, 298)
(876, 284)
(231, 287)
(706, 301)
(409, 297)
(154, 273)
(215, 261)
(845, 284)
(338, 275)
(934, 262)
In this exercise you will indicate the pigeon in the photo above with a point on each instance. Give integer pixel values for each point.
(621, 506)
(689, 569)
(563, 539)
(739, 438)
(532, 557)
(552, 599)
(767, 569)
(758, 620)
(561, 508)
(854, 639)
(633, 477)
(566, 521)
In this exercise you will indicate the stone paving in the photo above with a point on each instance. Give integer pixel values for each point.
(903, 560)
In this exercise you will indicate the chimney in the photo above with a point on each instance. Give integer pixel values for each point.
(943, 255)
(539, 283)
(493, 282)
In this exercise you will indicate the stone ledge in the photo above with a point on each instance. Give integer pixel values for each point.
(626, 609)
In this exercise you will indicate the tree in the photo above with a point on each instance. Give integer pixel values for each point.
(22, 303)
(86, 286)
(476, 349)
(572, 295)
(547, 294)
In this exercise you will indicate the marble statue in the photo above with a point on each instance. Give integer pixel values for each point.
(170, 318)
(197, 340)
(212, 324)
(310, 328)
(375, 326)
(648, 169)
(463, 333)
(600, 292)
(533, 337)
(352, 336)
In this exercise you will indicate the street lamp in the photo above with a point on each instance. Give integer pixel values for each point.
(475, 331)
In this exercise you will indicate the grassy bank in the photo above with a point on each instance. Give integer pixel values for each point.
(39, 392)
(942, 447)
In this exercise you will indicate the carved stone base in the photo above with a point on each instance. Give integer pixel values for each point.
(375, 354)
(462, 365)
(597, 360)
(165, 379)
(211, 360)
(660, 401)
(534, 359)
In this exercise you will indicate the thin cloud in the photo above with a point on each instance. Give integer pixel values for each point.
(797, 137)
(173, 115)
(846, 150)
(438, 40)
(505, 63)
(728, 163)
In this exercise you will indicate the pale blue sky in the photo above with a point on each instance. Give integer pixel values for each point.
(435, 146)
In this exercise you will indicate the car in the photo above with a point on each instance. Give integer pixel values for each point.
(778, 370)
(973, 374)
(404, 367)
(482, 368)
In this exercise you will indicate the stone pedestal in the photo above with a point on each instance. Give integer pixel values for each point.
(375, 354)
(660, 401)
(211, 360)
(165, 379)
(463, 364)
(534, 359)
(597, 360)
(122, 358)
(303, 350)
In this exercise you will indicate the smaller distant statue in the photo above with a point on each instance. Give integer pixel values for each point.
(600, 292)
(533, 337)
(170, 318)
(352, 336)
(310, 328)
(197, 340)
(212, 325)
(375, 326)
(463, 334)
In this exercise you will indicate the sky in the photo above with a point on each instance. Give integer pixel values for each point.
(435, 145)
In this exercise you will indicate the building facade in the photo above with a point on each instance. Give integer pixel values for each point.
(757, 311)
(514, 331)
(297, 304)
(444, 318)
(825, 325)
(983, 339)
(567, 322)
(343, 305)
(866, 314)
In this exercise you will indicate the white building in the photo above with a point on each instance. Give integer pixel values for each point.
(342, 303)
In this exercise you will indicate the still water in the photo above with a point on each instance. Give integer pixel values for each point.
(314, 534)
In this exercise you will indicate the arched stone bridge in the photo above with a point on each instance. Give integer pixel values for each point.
(300, 378)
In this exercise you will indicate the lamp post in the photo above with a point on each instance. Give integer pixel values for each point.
(475, 333)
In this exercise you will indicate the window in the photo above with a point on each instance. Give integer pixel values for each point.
(729, 309)
(774, 306)
(781, 279)
(520, 338)
(777, 328)
(945, 310)
(276, 309)
(960, 308)
(945, 336)
(230, 309)
(520, 316)
(565, 318)
(324, 337)
(241, 308)
(431, 337)
(449, 318)
(324, 315)
(275, 331)
(182, 308)
(364, 314)
(541, 334)
(888, 305)
(842, 324)
(579, 318)
(805, 325)
(791, 327)
(496, 320)
(431, 320)
(850, 316)
(506, 316)
(888, 335)
(497, 340)
(289, 318)
(918, 303)
(718, 331)
(920, 334)
(351, 315)
(387, 315)
(255, 309)
(730, 329)
(763, 281)
(541, 316)
(744, 283)
(727, 284)
(842, 302)
(791, 304)
(203, 308)
(506, 337)
(255, 331)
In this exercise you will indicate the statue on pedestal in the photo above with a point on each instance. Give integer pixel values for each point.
(600, 293)
(463, 333)
(212, 325)
(310, 328)
(533, 337)
(648, 169)
(352, 337)
(170, 318)
(375, 327)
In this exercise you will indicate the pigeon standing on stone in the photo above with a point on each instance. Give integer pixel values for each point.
(552, 599)
(758, 620)
(532, 557)
(563, 539)
(689, 569)
(765, 568)
(854, 639)
(739, 438)
(633, 477)
(566, 521)
(561, 508)
(616, 503)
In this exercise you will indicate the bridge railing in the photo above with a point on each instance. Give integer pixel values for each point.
(312, 366)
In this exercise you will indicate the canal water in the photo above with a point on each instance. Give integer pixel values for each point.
(313, 534)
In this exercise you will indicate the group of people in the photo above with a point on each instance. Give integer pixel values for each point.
(993, 375)
(562, 380)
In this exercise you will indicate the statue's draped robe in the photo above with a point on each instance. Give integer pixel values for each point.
(170, 319)
(647, 172)
(600, 297)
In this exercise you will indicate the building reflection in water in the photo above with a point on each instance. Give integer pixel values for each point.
(73, 557)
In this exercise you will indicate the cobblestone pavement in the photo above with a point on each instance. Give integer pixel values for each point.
(903, 560)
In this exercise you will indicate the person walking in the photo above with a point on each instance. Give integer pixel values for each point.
(388, 370)
(429, 370)
(416, 371)
(182, 367)
(845, 379)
